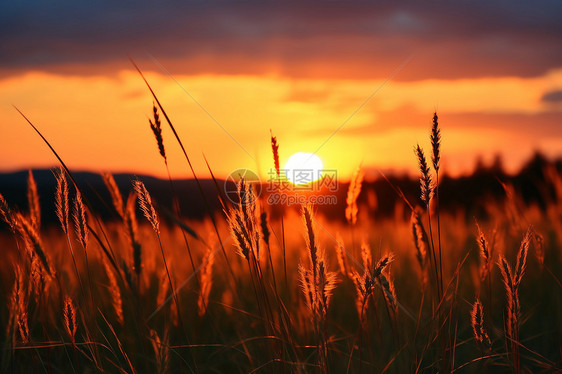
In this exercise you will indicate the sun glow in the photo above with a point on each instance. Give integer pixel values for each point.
(303, 168)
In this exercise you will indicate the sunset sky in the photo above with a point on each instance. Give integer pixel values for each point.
(228, 72)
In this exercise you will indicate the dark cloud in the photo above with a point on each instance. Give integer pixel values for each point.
(552, 97)
(351, 39)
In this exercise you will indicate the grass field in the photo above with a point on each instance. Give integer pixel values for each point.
(240, 291)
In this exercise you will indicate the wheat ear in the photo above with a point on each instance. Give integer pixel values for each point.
(145, 203)
(156, 128)
(275, 150)
(477, 321)
(116, 197)
(352, 194)
(69, 314)
(33, 201)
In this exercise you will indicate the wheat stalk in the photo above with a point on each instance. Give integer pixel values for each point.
(365, 282)
(512, 308)
(7, 214)
(366, 256)
(425, 178)
(538, 242)
(327, 281)
(61, 201)
(265, 234)
(243, 222)
(131, 226)
(521, 263)
(114, 291)
(318, 290)
(352, 194)
(506, 273)
(382, 275)
(80, 223)
(477, 321)
(317, 285)
(206, 281)
(116, 197)
(161, 351)
(435, 138)
(421, 242)
(127, 213)
(310, 237)
(38, 279)
(62, 209)
(275, 150)
(307, 287)
(156, 128)
(511, 294)
(264, 227)
(32, 240)
(382, 264)
(145, 203)
(240, 235)
(340, 255)
(363, 289)
(512, 280)
(485, 255)
(389, 292)
(33, 201)
(426, 187)
(69, 313)
(19, 306)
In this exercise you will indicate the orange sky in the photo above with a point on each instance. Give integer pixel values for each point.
(300, 77)
(100, 123)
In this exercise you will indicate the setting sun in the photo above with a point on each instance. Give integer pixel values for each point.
(303, 168)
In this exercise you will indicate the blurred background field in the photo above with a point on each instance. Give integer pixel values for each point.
(230, 335)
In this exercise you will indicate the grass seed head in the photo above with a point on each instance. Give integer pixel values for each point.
(33, 201)
(116, 197)
(61, 201)
(435, 142)
(156, 128)
(425, 178)
(353, 192)
(80, 222)
(275, 150)
(145, 203)
(69, 314)
(477, 321)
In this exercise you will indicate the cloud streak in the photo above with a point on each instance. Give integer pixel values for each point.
(552, 97)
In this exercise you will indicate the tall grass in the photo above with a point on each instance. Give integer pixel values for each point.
(418, 295)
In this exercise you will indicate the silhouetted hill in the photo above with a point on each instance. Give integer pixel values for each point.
(13, 186)
(469, 194)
